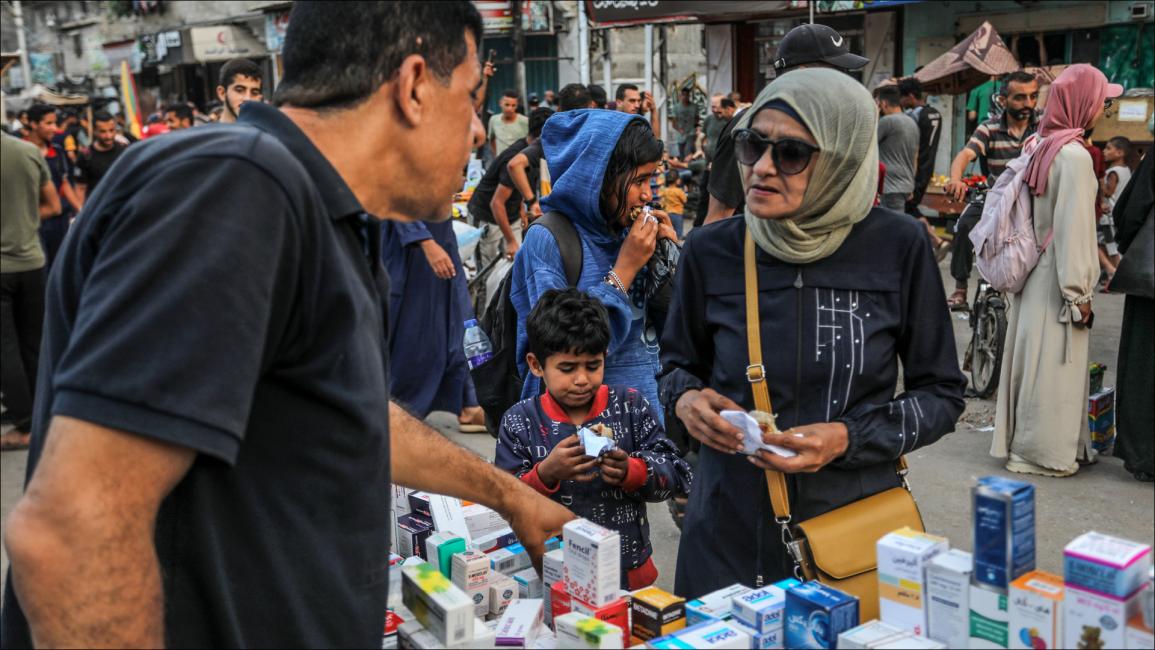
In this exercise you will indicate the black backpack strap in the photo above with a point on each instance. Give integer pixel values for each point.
(568, 242)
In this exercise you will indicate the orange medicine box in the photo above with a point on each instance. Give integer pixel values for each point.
(656, 613)
(1035, 608)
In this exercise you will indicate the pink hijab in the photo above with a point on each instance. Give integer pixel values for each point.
(1076, 96)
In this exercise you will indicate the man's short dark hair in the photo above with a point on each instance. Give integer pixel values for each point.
(537, 118)
(726, 102)
(510, 93)
(239, 68)
(889, 95)
(1016, 77)
(337, 54)
(37, 112)
(598, 96)
(567, 321)
(621, 92)
(909, 86)
(102, 116)
(573, 97)
(182, 111)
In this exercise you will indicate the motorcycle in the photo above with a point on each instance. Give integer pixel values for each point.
(988, 321)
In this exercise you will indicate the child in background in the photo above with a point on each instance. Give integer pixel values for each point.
(569, 335)
(1114, 180)
(674, 200)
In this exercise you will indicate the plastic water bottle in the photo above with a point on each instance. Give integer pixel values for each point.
(478, 349)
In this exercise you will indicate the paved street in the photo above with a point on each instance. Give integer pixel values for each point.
(1102, 497)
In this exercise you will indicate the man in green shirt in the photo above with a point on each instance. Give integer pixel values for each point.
(27, 195)
(508, 126)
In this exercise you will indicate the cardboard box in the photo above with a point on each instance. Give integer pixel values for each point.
(948, 581)
(758, 640)
(412, 531)
(528, 583)
(714, 606)
(520, 623)
(484, 636)
(552, 571)
(1101, 402)
(710, 634)
(419, 503)
(440, 607)
(1004, 531)
(1094, 620)
(816, 614)
(592, 562)
(656, 613)
(903, 556)
(1106, 564)
(760, 609)
(870, 635)
(1138, 635)
(576, 630)
(493, 541)
(616, 612)
(502, 591)
(439, 550)
(911, 643)
(469, 569)
(989, 618)
(509, 560)
(1036, 611)
(1149, 599)
(481, 521)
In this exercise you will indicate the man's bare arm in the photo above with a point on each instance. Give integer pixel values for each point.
(68, 193)
(517, 171)
(500, 216)
(84, 563)
(49, 201)
(424, 460)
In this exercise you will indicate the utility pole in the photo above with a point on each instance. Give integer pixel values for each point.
(18, 16)
(583, 44)
(607, 62)
(518, 52)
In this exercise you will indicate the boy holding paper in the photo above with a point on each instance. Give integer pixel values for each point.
(599, 450)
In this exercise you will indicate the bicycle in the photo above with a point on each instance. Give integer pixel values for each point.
(988, 321)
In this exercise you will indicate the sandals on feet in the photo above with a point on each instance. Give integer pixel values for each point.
(14, 441)
(958, 300)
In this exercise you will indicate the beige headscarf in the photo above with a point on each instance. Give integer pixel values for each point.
(843, 118)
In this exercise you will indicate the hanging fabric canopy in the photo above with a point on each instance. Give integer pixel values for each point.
(976, 59)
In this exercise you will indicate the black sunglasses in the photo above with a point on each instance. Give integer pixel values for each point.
(790, 156)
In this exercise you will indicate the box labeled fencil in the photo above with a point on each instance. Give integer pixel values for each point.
(903, 556)
(710, 634)
(502, 591)
(552, 571)
(576, 630)
(1109, 565)
(870, 635)
(443, 609)
(948, 582)
(989, 618)
(1094, 620)
(520, 624)
(439, 550)
(816, 614)
(528, 583)
(592, 562)
(1004, 531)
(714, 606)
(656, 613)
(760, 609)
(1036, 611)
(509, 560)
(412, 531)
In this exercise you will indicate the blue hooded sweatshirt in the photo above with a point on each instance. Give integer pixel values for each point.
(577, 146)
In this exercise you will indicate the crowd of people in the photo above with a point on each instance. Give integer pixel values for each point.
(230, 361)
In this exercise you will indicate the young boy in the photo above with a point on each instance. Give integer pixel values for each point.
(1114, 180)
(569, 335)
(674, 200)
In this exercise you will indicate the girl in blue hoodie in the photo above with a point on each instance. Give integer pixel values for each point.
(601, 163)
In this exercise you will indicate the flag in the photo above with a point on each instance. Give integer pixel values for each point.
(129, 101)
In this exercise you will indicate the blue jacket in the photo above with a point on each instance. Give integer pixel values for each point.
(578, 145)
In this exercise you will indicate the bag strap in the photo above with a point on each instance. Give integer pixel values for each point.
(569, 243)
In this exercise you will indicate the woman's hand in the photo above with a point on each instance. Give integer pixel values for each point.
(665, 226)
(698, 410)
(438, 259)
(817, 446)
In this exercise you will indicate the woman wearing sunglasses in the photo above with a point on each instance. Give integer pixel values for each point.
(845, 292)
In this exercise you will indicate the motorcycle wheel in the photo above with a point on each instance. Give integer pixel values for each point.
(987, 348)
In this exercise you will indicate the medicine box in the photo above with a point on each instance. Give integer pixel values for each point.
(911, 643)
(469, 569)
(710, 634)
(412, 531)
(440, 606)
(1110, 565)
(493, 541)
(616, 612)
(948, 581)
(484, 635)
(714, 606)
(1138, 635)
(870, 635)
(592, 562)
(528, 583)
(1004, 531)
(419, 503)
(989, 619)
(552, 571)
(1095, 620)
(656, 613)
(758, 640)
(520, 623)
(576, 630)
(1149, 599)
(903, 556)
(1101, 402)
(509, 560)
(481, 521)
(439, 550)
(816, 614)
(502, 591)
(760, 609)
(1036, 611)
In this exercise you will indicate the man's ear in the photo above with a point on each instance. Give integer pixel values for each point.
(222, 92)
(535, 366)
(410, 89)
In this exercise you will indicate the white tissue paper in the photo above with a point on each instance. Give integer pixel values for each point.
(752, 434)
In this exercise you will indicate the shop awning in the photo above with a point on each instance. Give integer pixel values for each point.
(606, 13)
(39, 94)
(976, 59)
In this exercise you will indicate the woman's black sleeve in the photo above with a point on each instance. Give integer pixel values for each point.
(687, 349)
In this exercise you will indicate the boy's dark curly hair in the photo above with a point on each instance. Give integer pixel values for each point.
(567, 320)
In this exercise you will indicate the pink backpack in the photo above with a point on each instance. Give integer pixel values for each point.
(1006, 250)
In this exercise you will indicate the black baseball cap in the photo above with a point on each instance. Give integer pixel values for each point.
(816, 44)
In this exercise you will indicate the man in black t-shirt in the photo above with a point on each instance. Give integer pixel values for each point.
(213, 447)
(497, 238)
(95, 163)
(572, 97)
